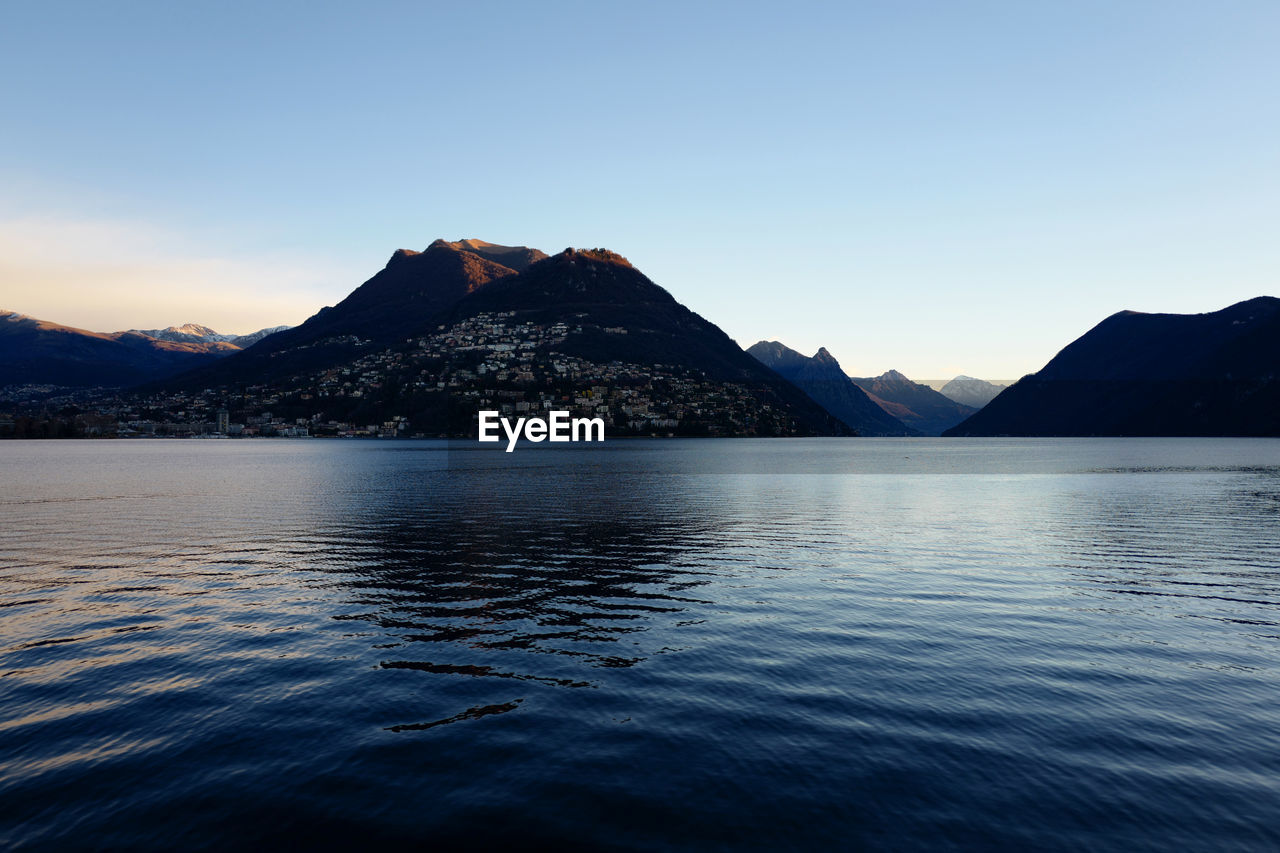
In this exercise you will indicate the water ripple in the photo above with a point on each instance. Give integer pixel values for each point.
(731, 645)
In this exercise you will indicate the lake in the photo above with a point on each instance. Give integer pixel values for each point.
(641, 645)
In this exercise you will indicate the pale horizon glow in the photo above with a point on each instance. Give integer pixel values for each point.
(937, 189)
(113, 276)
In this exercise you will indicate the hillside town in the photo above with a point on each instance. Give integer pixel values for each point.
(432, 386)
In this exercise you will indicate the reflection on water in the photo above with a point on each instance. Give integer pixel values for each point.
(767, 644)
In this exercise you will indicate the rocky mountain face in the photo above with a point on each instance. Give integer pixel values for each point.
(821, 377)
(1152, 374)
(439, 334)
(918, 406)
(518, 258)
(36, 351)
(974, 393)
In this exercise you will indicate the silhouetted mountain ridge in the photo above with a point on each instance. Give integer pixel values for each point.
(1152, 374)
(821, 377)
(916, 405)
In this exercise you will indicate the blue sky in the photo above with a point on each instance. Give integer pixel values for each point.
(933, 187)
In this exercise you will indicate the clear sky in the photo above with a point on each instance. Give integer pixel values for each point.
(938, 187)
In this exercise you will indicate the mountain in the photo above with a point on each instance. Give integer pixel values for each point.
(967, 391)
(188, 333)
(246, 341)
(630, 318)
(438, 334)
(1152, 374)
(40, 352)
(197, 334)
(518, 258)
(918, 406)
(822, 379)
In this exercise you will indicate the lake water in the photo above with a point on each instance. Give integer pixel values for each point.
(729, 644)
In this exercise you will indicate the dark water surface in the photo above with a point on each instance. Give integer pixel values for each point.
(826, 644)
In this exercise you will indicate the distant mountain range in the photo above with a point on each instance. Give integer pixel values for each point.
(974, 393)
(886, 405)
(437, 334)
(821, 378)
(195, 333)
(925, 410)
(1152, 374)
(36, 351)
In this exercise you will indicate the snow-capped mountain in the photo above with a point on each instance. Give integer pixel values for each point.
(194, 333)
(34, 351)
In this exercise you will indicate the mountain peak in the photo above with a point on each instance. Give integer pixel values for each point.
(777, 355)
(602, 255)
(773, 346)
(403, 254)
(918, 406)
(822, 379)
(470, 245)
(969, 391)
(192, 329)
(517, 258)
(187, 333)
